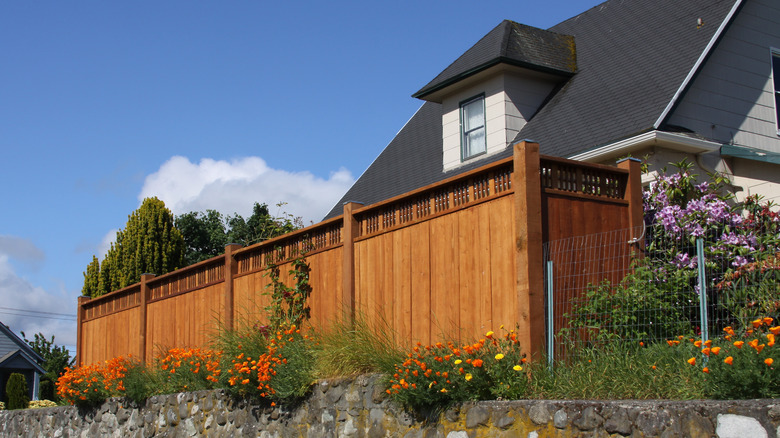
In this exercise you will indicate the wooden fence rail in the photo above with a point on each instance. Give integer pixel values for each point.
(454, 258)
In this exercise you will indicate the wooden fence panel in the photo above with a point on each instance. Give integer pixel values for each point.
(184, 320)
(112, 336)
(443, 260)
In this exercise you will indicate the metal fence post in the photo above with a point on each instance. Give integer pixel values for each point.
(550, 322)
(702, 289)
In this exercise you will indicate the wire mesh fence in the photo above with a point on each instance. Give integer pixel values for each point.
(642, 285)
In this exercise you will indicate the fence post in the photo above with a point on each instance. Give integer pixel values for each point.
(550, 316)
(529, 261)
(702, 290)
(80, 329)
(231, 269)
(350, 233)
(142, 310)
(633, 195)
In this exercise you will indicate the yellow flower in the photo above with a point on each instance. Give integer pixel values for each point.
(469, 376)
(458, 362)
(489, 334)
(499, 356)
(517, 368)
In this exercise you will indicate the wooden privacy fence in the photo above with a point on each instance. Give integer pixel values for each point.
(454, 259)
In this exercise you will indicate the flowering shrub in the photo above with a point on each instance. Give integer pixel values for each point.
(741, 365)
(91, 384)
(282, 373)
(660, 296)
(491, 368)
(190, 369)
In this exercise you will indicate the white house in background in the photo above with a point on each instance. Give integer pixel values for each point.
(18, 357)
(663, 79)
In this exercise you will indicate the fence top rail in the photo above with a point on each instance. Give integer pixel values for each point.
(575, 163)
(293, 235)
(133, 288)
(214, 261)
(431, 187)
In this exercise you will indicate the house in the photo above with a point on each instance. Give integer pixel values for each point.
(17, 357)
(661, 80)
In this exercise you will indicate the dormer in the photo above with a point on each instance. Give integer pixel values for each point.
(492, 90)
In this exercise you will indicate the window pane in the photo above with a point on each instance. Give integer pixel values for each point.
(475, 143)
(473, 114)
(776, 71)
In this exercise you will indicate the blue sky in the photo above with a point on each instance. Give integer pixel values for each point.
(205, 105)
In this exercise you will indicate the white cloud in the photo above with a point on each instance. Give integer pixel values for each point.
(234, 187)
(18, 293)
(21, 249)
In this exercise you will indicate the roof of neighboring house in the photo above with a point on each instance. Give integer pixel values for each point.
(18, 359)
(633, 59)
(12, 343)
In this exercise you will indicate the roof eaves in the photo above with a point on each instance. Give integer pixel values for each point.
(25, 356)
(699, 62)
(493, 62)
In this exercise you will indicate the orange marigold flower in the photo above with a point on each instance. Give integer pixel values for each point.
(757, 323)
(769, 361)
(715, 350)
(477, 363)
(775, 330)
(739, 344)
(729, 360)
(771, 339)
(706, 351)
(708, 343)
(692, 361)
(697, 343)
(768, 320)
(706, 370)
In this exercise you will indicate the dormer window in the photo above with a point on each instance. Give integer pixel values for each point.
(472, 127)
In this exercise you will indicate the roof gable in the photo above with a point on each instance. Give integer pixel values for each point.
(633, 57)
(514, 44)
(17, 359)
(16, 343)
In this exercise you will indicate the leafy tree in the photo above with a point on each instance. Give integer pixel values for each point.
(148, 243)
(55, 359)
(205, 235)
(260, 226)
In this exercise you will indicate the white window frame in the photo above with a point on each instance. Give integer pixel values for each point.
(775, 57)
(464, 134)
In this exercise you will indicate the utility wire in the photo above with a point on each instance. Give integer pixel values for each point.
(37, 314)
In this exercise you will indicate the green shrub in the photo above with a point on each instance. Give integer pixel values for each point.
(16, 391)
(643, 306)
(438, 375)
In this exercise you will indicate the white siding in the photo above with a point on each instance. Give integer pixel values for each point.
(510, 100)
(731, 100)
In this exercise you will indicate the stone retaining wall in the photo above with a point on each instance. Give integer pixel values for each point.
(359, 408)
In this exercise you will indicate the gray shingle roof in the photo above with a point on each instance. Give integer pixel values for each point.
(510, 43)
(631, 58)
